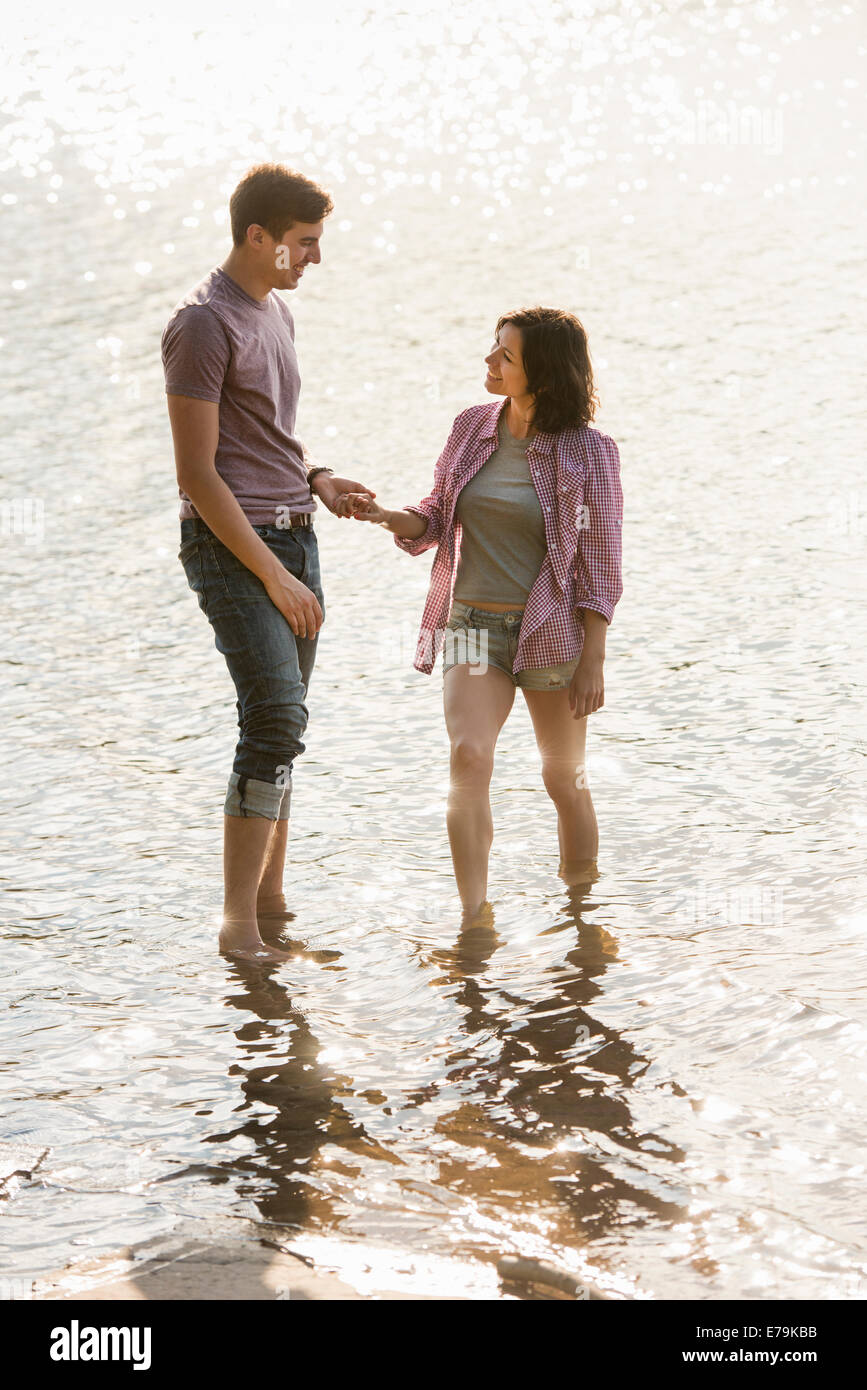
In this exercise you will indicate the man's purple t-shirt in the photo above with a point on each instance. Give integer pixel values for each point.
(221, 344)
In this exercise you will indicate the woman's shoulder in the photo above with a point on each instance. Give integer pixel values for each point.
(475, 417)
(585, 434)
(582, 444)
(468, 427)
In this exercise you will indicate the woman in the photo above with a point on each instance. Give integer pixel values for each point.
(526, 511)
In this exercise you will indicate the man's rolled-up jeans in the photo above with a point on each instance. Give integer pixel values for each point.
(269, 665)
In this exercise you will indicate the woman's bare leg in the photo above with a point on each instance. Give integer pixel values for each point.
(476, 708)
(561, 740)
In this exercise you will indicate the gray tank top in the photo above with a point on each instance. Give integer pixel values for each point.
(503, 542)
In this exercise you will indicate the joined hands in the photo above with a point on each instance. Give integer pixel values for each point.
(334, 492)
(362, 507)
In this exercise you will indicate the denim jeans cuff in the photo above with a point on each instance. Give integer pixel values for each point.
(247, 796)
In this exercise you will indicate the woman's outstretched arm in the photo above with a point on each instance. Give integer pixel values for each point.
(407, 525)
(420, 525)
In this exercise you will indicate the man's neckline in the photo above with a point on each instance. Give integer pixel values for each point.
(257, 303)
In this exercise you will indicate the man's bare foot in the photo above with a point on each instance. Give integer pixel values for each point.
(299, 948)
(272, 907)
(243, 942)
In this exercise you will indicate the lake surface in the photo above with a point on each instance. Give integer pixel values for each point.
(656, 1082)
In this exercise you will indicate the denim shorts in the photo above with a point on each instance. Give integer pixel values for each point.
(269, 666)
(483, 639)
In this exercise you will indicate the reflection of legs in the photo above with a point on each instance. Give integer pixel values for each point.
(561, 740)
(476, 708)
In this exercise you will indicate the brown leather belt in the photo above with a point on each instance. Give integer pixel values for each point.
(286, 523)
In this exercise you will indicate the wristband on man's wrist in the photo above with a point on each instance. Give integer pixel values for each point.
(320, 468)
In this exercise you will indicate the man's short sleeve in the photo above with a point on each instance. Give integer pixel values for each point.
(196, 353)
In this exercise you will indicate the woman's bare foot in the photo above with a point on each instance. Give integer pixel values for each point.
(480, 916)
(476, 940)
(583, 871)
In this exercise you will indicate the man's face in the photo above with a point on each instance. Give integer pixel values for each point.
(297, 248)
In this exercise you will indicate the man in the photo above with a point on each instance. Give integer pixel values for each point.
(248, 547)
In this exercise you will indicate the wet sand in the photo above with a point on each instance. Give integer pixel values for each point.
(197, 1263)
(188, 1268)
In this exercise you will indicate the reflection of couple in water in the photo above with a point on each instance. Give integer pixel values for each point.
(525, 513)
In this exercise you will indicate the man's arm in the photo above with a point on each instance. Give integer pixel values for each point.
(334, 492)
(195, 432)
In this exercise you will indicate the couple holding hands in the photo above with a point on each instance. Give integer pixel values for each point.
(525, 513)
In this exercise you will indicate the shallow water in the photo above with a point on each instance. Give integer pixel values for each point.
(658, 1081)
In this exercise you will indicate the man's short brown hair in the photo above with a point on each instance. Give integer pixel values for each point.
(275, 198)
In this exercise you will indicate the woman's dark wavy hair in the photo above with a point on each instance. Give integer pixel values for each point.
(557, 366)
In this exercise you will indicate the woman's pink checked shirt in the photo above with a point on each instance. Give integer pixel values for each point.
(576, 473)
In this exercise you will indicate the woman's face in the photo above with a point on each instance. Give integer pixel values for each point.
(505, 365)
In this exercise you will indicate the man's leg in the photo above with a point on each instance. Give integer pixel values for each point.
(254, 836)
(245, 844)
(262, 654)
(272, 910)
(271, 880)
(271, 906)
